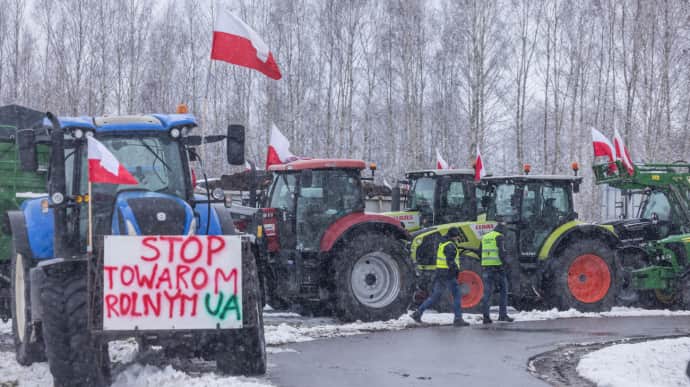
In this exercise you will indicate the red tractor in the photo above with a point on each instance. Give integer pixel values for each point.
(323, 253)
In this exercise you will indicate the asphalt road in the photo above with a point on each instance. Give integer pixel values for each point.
(494, 355)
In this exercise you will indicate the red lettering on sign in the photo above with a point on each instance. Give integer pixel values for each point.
(184, 249)
(212, 250)
(165, 277)
(171, 300)
(199, 283)
(127, 279)
(110, 305)
(109, 270)
(171, 245)
(148, 242)
(220, 275)
(135, 295)
(125, 304)
(144, 280)
(181, 271)
(149, 303)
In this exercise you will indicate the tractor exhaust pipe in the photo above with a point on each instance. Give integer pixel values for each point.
(57, 187)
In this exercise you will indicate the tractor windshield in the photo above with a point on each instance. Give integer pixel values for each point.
(656, 206)
(422, 194)
(155, 161)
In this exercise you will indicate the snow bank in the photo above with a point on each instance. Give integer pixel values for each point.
(149, 376)
(656, 363)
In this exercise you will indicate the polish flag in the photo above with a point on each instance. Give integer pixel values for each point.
(278, 149)
(104, 167)
(479, 170)
(622, 153)
(237, 43)
(603, 147)
(440, 162)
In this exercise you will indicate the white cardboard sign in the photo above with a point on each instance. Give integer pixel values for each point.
(172, 282)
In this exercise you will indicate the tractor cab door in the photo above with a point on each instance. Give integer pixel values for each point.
(456, 201)
(284, 200)
(422, 197)
(657, 208)
(544, 207)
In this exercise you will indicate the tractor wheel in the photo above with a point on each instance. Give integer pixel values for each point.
(583, 277)
(28, 343)
(243, 351)
(471, 288)
(74, 357)
(627, 262)
(374, 279)
(661, 299)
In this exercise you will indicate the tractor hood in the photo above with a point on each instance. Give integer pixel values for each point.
(152, 213)
(633, 230)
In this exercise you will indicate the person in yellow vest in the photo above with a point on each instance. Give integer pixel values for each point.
(494, 273)
(446, 276)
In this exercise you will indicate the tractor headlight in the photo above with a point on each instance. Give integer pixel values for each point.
(218, 193)
(175, 133)
(57, 198)
(78, 133)
(89, 133)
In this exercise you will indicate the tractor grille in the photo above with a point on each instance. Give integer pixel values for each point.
(147, 213)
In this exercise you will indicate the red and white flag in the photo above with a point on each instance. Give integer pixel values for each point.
(603, 147)
(622, 153)
(440, 162)
(104, 167)
(278, 149)
(479, 170)
(237, 43)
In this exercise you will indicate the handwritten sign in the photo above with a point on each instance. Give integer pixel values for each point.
(172, 282)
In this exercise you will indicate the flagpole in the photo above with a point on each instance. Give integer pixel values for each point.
(89, 246)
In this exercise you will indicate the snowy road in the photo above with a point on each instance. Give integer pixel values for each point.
(320, 351)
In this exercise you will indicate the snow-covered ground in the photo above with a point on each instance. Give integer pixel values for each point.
(281, 329)
(656, 363)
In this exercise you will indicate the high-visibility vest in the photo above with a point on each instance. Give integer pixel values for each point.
(441, 259)
(490, 254)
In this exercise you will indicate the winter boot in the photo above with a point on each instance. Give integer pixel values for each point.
(416, 316)
(506, 318)
(459, 322)
(487, 320)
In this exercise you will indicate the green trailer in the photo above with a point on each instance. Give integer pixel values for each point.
(16, 185)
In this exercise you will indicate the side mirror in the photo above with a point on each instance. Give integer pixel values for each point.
(26, 146)
(306, 178)
(235, 144)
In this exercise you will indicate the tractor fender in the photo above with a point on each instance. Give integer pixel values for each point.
(574, 230)
(15, 225)
(224, 219)
(342, 228)
(38, 226)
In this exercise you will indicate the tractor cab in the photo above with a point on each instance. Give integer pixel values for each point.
(307, 196)
(437, 196)
(532, 206)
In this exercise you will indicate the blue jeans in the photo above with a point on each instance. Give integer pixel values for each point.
(495, 277)
(440, 284)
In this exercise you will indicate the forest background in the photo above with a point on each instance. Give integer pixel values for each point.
(385, 81)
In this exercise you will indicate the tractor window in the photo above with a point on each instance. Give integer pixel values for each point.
(422, 194)
(283, 188)
(456, 203)
(504, 204)
(530, 206)
(657, 204)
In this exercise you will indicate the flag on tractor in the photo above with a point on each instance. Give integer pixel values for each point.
(104, 166)
(237, 43)
(622, 153)
(479, 170)
(603, 147)
(278, 149)
(440, 162)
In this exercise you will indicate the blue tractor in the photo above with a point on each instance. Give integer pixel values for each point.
(57, 278)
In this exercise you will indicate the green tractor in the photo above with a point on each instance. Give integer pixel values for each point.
(651, 251)
(560, 261)
(436, 196)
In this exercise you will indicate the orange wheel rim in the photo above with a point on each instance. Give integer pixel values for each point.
(589, 278)
(472, 287)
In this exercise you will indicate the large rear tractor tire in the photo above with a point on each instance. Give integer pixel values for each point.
(374, 279)
(628, 261)
(583, 277)
(243, 351)
(74, 357)
(28, 341)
